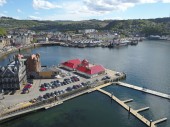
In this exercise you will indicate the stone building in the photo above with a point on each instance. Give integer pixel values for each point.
(13, 75)
(33, 65)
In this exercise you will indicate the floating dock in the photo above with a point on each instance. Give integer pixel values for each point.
(142, 109)
(159, 94)
(132, 111)
(127, 101)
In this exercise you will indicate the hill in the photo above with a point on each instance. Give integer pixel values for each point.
(160, 26)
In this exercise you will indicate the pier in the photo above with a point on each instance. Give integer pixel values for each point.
(132, 111)
(142, 109)
(52, 102)
(31, 108)
(127, 101)
(159, 121)
(156, 93)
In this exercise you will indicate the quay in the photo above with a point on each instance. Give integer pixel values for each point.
(97, 84)
(156, 93)
(31, 108)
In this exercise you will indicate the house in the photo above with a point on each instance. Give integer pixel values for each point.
(85, 31)
(4, 41)
(13, 75)
(22, 39)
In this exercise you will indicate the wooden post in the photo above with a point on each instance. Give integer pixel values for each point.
(129, 112)
(150, 123)
(111, 97)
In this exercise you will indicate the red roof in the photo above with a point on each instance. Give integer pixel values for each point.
(92, 70)
(85, 63)
(72, 63)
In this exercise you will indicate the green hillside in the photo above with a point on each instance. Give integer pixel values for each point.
(160, 26)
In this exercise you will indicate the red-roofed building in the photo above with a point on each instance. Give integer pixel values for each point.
(83, 67)
(71, 64)
(91, 71)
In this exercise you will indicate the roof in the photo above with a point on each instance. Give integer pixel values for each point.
(91, 70)
(72, 63)
(47, 69)
(85, 62)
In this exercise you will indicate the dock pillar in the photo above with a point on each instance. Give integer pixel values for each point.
(111, 96)
(150, 123)
(129, 109)
(129, 112)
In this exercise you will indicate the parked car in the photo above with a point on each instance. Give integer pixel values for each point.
(43, 89)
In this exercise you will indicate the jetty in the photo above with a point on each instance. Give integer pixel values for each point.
(156, 93)
(127, 101)
(27, 109)
(142, 109)
(58, 100)
(147, 122)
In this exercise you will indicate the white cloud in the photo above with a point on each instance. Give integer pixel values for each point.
(87, 9)
(2, 2)
(31, 17)
(103, 6)
(166, 1)
(44, 4)
(19, 11)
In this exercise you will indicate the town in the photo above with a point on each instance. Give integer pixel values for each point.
(20, 38)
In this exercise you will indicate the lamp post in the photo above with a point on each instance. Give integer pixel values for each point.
(2, 94)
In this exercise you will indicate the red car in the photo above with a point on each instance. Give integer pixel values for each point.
(28, 86)
(43, 89)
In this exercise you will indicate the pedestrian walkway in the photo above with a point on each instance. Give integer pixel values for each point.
(132, 111)
(163, 95)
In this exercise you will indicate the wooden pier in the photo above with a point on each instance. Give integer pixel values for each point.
(159, 121)
(132, 111)
(156, 93)
(127, 101)
(142, 109)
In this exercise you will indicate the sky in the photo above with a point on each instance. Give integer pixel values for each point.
(84, 9)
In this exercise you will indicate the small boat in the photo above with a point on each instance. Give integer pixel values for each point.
(134, 42)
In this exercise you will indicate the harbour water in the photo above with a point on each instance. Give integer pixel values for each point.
(146, 65)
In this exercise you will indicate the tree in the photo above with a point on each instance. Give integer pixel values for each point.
(2, 32)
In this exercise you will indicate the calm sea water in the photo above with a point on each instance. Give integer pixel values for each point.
(146, 64)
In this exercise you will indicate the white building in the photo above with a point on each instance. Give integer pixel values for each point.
(22, 40)
(87, 31)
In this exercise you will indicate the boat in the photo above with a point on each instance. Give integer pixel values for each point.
(81, 45)
(134, 42)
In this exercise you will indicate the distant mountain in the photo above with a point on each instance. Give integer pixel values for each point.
(146, 27)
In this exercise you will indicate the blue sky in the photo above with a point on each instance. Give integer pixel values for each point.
(84, 9)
